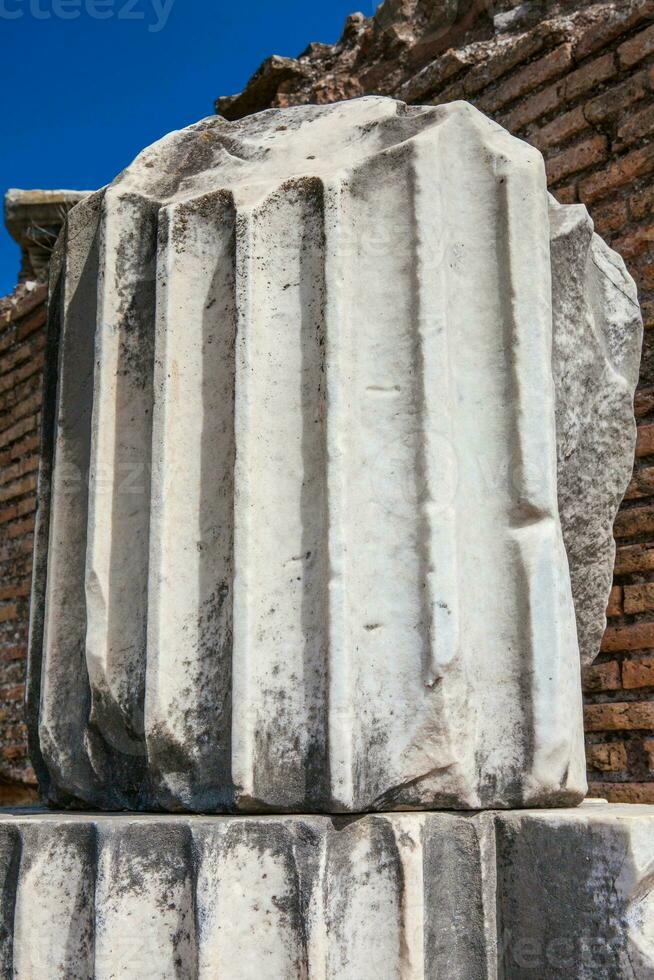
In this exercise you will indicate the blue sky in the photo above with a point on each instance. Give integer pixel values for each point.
(89, 83)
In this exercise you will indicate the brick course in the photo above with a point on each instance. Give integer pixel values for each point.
(22, 334)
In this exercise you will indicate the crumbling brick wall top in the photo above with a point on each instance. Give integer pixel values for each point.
(409, 48)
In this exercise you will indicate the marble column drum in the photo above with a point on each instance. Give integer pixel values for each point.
(310, 535)
(556, 894)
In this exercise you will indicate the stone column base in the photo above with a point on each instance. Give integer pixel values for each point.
(550, 893)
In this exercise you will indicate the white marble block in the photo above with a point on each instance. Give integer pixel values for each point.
(299, 543)
(575, 893)
(414, 896)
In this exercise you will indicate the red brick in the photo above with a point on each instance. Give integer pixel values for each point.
(621, 172)
(18, 530)
(617, 98)
(645, 440)
(18, 403)
(22, 409)
(641, 484)
(32, 323)
(22, 391)
(28, 445)
(25, 303)
(19, 429)
(636, 48)
(619, 716)
(12, 692)
(16, 652)
(26, 506)
(634, 636)
(642, 269)
(567, 194)
(532, 108)
(529, 78)
(578, 157)
(607, 756)
(561, 129)
(635, 558)
(610, 217)
(15, 590)
(647, 310)
(614, 22)
(18, 591)
(602, 677)
(24, 546)
(589, 75)
(635, 242)
(431, 78)
(15, 567)
(17, 489)
(622, 792)
(639, 598)
(636, 127)
(633, 521)
(488, 71)
(15, 357)
(8, 613)
(18, 794)
(16, 734)
(17, 510)
(13, 672)
(614, 607)
(8, 339)
(7, 712)
(33, 366)
(451, 93)
(644, 401)
(25, 352)
(10, 473)
(638, 673)
(641, 205)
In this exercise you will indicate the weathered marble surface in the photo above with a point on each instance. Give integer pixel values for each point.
(554, 894)
(597, 339)
(575, 893)
(300, 547)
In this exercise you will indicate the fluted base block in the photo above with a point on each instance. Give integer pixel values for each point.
(549, 893)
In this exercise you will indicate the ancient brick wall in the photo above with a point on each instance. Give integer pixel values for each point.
(22, 340)
(577, 81)
(34, 219)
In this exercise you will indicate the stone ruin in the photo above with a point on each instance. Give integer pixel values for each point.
(342, 419)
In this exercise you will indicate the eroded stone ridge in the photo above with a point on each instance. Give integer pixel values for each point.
(597, 338)
(300, 547)
(552, 894)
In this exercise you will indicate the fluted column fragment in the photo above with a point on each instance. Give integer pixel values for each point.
(191, 563)
(320, 564)
(404, 896)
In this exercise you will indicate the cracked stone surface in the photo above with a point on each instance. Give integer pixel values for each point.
(553, 894)
(597, 338)
(299, 543)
